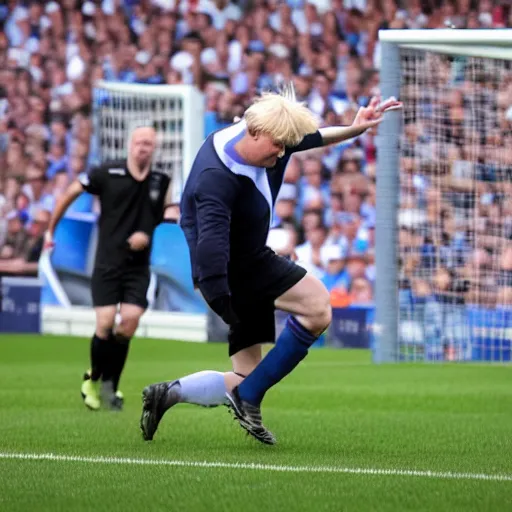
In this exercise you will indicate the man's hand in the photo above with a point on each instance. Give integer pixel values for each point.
(138, 241)
(367, 118)
(370, 116)
(48, 243)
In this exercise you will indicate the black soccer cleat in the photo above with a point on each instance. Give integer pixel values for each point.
(156, 400)
(249, 417)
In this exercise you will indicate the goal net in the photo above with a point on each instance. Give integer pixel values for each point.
(175, 111)
(451, 153)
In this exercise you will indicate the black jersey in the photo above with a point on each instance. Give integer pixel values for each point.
(226, 209)
(127, 206)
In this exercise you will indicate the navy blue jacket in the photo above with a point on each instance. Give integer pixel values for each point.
(226, 208)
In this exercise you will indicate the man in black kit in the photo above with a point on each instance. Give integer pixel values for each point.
(132, 198)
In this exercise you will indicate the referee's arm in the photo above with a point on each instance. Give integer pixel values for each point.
(214, 196)
(70, 194)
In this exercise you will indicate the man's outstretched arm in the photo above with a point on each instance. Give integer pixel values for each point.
(366, 118)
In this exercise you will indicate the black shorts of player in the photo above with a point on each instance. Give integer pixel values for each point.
(123, 284)
(253, 294)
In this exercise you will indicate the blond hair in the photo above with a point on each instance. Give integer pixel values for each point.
(281, 117)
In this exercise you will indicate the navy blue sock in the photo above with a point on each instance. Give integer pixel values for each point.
(291, 348)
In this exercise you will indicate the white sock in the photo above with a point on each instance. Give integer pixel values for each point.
(205, 388)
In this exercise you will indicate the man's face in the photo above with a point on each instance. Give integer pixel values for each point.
(143, 145)
(266, 150)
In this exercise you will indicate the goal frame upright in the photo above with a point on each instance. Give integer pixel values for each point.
(486, 43)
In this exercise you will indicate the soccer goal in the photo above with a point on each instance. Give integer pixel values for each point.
(444, 197)
(176, 112)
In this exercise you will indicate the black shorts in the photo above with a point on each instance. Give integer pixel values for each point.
(124, 284)
(253, 293)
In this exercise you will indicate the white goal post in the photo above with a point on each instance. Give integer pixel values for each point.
(444, 173)
(175, 111)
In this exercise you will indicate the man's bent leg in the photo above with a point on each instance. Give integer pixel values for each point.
(309, 303)
(206, 388)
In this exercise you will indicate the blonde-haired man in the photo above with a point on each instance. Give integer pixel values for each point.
(226, 212)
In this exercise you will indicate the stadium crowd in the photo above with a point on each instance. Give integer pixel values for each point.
(455, 224)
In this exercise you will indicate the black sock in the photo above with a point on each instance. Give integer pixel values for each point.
(121, 345)
(100, 355)
(110, 358)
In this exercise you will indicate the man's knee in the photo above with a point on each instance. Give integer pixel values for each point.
(320, 311)
(309, 302)
(128, 325)
(130, 317)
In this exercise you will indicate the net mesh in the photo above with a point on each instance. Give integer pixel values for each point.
(455, 213)
(117, 113)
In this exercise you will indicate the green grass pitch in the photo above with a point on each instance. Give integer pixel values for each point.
(340, 422)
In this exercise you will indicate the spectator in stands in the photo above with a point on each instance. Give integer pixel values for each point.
(335, 275)
(314, 188)
(22, 249)
(361, 292)
(35, 189)
(311, 252)
(505, 278)
(16, 238)
(284, 211)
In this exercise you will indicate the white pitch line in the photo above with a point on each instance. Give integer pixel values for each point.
(258, 467)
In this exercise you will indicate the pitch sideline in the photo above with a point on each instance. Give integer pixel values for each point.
(256, 466)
